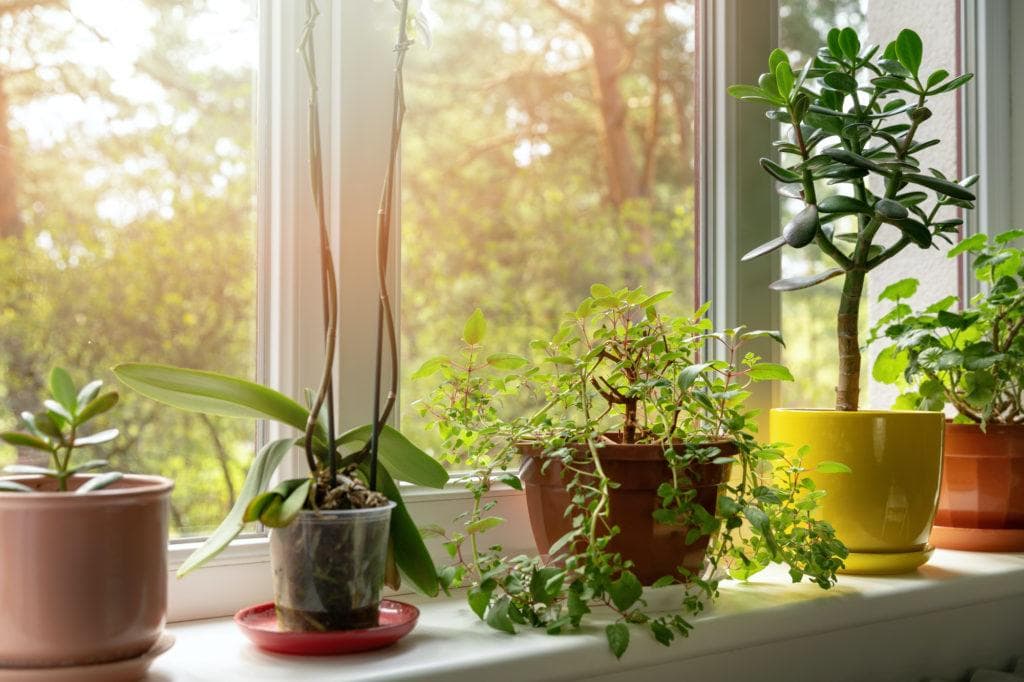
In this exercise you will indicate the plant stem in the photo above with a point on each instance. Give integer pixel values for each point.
(848, 388)
(385, 314)
(329, 285)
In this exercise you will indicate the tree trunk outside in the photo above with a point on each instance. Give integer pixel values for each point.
(625, 181)
(10, 219)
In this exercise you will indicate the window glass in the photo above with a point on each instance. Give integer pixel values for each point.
(127, 221)
(548, 146)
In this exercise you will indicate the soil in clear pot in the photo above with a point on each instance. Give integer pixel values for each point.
(329, 568)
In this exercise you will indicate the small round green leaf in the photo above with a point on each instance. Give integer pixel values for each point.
(909, 50)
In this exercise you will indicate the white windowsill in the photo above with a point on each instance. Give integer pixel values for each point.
(961, 611)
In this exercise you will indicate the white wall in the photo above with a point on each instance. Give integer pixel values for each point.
(935, 21)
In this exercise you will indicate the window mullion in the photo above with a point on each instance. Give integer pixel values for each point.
(737, 202)
(360, 104)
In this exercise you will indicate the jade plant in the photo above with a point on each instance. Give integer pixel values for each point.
(57, 430)
(345, 468)
(852, 117)
(972, 359)
(619, 371)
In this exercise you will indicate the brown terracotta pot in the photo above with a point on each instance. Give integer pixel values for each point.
(655, 549)
(982, 487)
(83, 578)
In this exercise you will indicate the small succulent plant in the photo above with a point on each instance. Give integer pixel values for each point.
(58, 431)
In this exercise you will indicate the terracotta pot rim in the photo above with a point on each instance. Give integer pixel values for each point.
(862, 413)
(627, 451)
(991, 425)
(131, 486)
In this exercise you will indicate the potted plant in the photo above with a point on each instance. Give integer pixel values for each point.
(972, 360)
(852, 117)
(626, 467)
(334, 527)
(83, 556)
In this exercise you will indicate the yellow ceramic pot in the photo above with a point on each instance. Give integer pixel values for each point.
(883, 510)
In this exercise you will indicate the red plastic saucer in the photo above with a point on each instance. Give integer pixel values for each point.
(259, 623)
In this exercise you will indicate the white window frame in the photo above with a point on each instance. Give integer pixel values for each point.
(355, 61)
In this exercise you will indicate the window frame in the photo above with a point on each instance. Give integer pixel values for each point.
(355, 72)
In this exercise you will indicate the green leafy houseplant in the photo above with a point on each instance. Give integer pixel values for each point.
(972, 359)
(852, 116)
(619, 373)
(357, 468)
(56, 430)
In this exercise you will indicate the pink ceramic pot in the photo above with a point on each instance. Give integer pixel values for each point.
(83, 578)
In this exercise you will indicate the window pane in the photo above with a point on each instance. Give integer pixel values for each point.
(808, 316)
(548, 146)
(127, 221)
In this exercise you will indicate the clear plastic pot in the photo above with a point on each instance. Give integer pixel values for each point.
(329, 568)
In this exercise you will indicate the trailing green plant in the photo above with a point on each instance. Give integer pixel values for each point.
(618, 371)
(972, 359)
(852, 115)
(376, 453)
(57, 431)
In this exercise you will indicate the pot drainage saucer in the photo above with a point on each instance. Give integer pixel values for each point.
(886, 563)
(979, 539)
(127, 670)
(259, 624)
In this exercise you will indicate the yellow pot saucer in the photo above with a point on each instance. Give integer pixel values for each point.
(886, 563)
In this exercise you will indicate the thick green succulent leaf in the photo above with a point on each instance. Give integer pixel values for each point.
(914, 231)
(778, 172)
(804, 281)
(953, 84)
(887, 209)
(849, 43)
(776, 57)
(99, 482)
(25, 440)
(761, 250)
(97, 406)
(838, 203)
(63, 389)
(211, 393)
(88, 393)
(752, 93)
(837, 80)
(97, 438)
(950, 189)
(91, 465)
(801, 230)
(909, 50)
(832, 40)
(893, 83)
(256, 482)
(403, 460)
(28, 470)
(852, 159)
